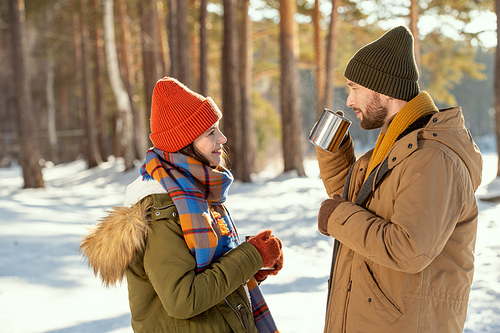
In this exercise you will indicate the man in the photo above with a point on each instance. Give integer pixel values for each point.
(405, 226)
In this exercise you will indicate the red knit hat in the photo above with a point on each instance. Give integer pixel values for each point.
(179, 115)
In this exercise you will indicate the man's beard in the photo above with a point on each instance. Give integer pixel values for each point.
(375, 114)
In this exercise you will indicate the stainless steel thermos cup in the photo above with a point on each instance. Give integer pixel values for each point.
(329, 130)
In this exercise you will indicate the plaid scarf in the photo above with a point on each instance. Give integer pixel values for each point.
(198, 193)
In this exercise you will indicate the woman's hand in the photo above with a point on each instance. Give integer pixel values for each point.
(271, 251)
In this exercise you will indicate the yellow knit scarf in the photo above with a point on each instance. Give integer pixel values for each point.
(418, 107)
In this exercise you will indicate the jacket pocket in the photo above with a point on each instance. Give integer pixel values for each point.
(244, 316)
(369, 303)
(240, 313)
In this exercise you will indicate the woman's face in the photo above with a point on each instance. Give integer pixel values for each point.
(209, 144)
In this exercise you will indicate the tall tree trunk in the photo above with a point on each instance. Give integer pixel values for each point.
(7, 125)
(173, 36)
(50, 96)
(102, 132)
(121, 95)
(414, 9)
(7, 106)
(92, 153)
(230, 91)
(203, 49)
(162, 41)
(64, 100)
(248, 139)
(291, 118)
(141, 143)
(194, 48)
(331, 55)
(28, 153)
(6, 110)
(320, 65)
(497, 86)
(149, 48)
(75, 113)
(51, 107)
(183, 43)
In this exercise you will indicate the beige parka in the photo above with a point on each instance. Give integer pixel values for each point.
(406, 257)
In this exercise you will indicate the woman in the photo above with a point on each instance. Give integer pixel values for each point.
(186, 269)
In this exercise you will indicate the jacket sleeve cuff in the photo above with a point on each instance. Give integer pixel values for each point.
(335, 166)
(248, 258)
(339, 218)
(344, 211)
(346, 150)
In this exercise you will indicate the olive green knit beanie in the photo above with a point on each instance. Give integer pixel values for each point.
(387, 65)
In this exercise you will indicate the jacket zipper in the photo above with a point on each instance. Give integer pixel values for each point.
(348, 296)
(236, 313)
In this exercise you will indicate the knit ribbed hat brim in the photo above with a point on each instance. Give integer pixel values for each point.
(387, 65)
(179, 115)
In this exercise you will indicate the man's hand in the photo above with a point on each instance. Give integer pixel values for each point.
(327, 208)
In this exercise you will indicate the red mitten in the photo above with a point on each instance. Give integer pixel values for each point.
(262, 274)
(270, 249)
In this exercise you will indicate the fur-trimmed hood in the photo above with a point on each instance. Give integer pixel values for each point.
(112, 243)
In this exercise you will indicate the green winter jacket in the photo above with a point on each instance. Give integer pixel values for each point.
(146, 243)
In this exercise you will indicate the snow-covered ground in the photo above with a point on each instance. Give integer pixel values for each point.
(46, 287)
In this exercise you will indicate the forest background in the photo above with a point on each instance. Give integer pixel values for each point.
(76, 76)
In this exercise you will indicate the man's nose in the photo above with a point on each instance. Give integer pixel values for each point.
(350, 101)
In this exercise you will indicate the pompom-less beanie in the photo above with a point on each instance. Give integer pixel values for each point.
(179, 115)
(387, 65)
